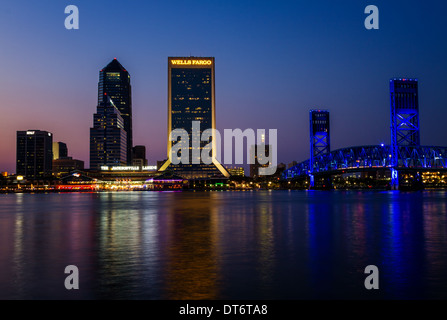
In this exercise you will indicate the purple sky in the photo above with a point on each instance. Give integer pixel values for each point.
(274, 62)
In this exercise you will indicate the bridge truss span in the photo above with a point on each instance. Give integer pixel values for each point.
(373, 156)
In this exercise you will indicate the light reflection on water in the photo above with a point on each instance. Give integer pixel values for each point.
(224, 245)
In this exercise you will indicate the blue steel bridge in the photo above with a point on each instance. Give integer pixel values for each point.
(404, 156)
(355, 159)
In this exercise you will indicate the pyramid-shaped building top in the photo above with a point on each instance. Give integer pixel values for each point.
(114, 65)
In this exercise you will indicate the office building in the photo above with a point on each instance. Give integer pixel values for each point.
(108, 139)
(160, 163)
(236, 171)
(34, 154)
(114, 80)
(280, 169)
(139, 156)
(191, 97)
(260, 158)
(59, 150)
(63, 166)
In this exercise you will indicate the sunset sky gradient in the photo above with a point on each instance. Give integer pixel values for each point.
(275, 60)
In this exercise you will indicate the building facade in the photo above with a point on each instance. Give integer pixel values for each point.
(60, 150)
(63, 166)
(236, 171)
(139, 156)
(34, 154)
(114, 80)
(191, 99)
(108, 139)
(260, 157)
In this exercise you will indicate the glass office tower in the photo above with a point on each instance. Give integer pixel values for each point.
(114, 80)
(191, 97)
(34, 154)
(107, 137)
(60, 150)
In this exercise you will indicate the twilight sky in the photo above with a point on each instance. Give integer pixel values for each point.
(275, 60)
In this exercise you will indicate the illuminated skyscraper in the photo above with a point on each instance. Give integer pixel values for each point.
(34, 154)
(107, 137)
(59, 150)
(114, 80)
(191, 97)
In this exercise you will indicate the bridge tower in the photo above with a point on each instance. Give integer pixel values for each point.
(404, 120)
(320, 142)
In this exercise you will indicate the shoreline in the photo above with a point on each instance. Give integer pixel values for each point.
(215, 190)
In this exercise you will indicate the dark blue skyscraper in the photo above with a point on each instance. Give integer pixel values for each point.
(107, 137)
(114, 80)
(34, 154)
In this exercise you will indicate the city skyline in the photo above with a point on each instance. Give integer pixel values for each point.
(345, 71)
(203, 152)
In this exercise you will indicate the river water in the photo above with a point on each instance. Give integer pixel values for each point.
(224, 245)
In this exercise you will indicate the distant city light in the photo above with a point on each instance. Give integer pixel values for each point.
(128, 168)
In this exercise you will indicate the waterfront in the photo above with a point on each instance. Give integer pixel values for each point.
(224, 245)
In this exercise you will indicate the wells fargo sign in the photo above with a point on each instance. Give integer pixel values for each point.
(192, 62)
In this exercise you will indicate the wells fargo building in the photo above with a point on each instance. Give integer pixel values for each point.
(191, 97)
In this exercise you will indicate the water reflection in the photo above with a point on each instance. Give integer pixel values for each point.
(190, 269)
(435, 229)
(223, 245)
(265, 242)
(403, 246)
(348, 231)
(128, 254)
(318, 242)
